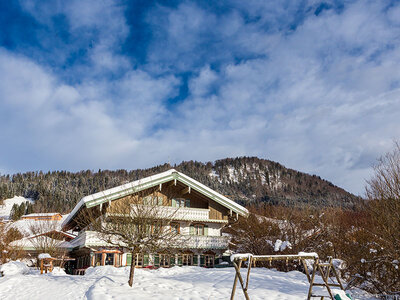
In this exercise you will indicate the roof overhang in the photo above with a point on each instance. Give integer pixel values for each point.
(149, 182)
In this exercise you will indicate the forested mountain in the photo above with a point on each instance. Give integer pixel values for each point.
(243, 179)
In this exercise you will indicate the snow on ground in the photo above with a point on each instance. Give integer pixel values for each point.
(5, 209)
(177, 283)
(13, 268)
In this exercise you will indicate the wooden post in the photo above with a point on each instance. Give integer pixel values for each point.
(312, 278)
(323, 268)
(306, 270)
(236, 278)
(323, 275)
(239, 276)
(248, 272)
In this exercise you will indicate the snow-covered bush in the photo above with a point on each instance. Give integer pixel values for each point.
(13, 268)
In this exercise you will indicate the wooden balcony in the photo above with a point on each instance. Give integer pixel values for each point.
(188, 214)
(91, 238)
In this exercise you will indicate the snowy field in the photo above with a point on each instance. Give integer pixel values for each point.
(173, 283)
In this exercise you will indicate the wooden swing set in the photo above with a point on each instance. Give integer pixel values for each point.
(324, 269)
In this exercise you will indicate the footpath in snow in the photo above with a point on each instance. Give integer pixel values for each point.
(174, 283)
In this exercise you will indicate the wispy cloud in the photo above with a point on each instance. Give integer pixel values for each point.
(313, 85)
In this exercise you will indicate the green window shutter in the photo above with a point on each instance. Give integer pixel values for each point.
(179, 260)
(205, 230)
(195, 260)
(201, 260)
(191, 232)
(187, 204)
(173, 202)
(128, 259)
(156, 260)
(145, 260)
(172, 260)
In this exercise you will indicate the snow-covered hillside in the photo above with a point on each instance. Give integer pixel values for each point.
(5, 209)
(174, 283)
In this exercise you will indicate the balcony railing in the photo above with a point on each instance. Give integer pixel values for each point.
(91, 238)
(205, 242)
(186, 213)
(175, 213)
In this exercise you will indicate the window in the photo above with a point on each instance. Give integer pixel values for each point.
(180, 202)
(98, 259)
(198, 229)
(155, 228)
(165, 260)
(175, 228)
(109, 259)
(153, 200)
(186, 259)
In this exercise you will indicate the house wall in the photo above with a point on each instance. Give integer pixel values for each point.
(169, 191)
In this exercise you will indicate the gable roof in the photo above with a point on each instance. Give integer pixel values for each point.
(151, 181)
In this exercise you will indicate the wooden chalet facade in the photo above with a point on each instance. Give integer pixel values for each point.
(201, 213)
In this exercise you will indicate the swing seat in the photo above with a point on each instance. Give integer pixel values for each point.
(338, 297)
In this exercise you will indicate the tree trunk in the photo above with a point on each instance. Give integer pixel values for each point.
(132, 271)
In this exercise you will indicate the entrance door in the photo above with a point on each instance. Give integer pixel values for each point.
(209, 260)
(164, 260)
(109, 259)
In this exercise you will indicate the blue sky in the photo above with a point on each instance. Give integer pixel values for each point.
(108, 84)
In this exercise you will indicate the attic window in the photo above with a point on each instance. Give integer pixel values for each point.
(180, 202)
(152, 200)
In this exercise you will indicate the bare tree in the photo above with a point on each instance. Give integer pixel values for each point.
(139, 223)
(9, 234)
(47, 238)
(383, 191)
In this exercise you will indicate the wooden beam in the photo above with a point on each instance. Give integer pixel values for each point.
(186, 190)
(171, 183)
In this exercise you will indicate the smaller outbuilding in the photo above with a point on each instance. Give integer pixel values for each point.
(43, 217)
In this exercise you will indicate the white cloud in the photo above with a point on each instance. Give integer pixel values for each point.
(320, 96)
(318, 102)
(52, 125)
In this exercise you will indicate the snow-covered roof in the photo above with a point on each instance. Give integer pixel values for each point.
(41, 215)
(44, 255)
(151, 181)
(31, 243)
